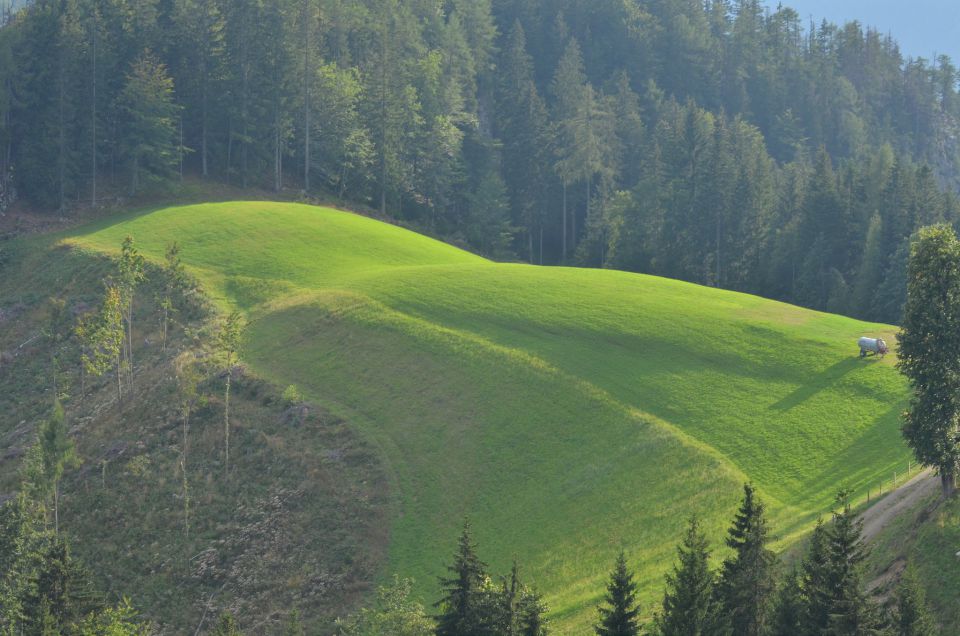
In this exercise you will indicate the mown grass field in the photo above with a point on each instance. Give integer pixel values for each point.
(567, 412)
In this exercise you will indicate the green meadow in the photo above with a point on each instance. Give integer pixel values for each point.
(567, 412)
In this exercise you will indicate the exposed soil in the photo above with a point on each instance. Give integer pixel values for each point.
(906, 497)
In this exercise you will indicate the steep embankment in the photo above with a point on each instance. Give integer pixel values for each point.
(566, 411)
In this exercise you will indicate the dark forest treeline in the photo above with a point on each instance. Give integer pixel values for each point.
(711, 141)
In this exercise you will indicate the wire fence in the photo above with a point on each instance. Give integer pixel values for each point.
(877, 489)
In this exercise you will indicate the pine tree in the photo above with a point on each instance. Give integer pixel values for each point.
(815, 582)
(532, 613)
(619, 617)
(461, 591)
(787, 619)
(912, 616)
(150, 123)
(747, 581)
(851, 612)
(690, 607)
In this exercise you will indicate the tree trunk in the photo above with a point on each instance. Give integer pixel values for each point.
(93, 158)
(130, 338)
(62, 158)
(564, 251)
(226, 422)
(541, 244)
(180, 150)
(183, 470)
(719, 269)
(119, 386)
(306, 96)
(948, 482)
(383, 122)
(56, 507)
(203, 117)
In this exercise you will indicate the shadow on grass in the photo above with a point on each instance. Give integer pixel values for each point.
(817, 384)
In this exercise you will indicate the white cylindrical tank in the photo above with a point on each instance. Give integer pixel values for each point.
(872, 345)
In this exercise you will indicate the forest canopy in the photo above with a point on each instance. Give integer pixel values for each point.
(714, 141)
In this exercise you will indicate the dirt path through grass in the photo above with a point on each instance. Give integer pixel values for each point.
(904, 498)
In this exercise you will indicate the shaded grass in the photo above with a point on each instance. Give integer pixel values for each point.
(566, 411)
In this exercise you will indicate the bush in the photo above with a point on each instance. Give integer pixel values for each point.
(292, 396)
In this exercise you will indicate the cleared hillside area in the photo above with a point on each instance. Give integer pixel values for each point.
(567, 412)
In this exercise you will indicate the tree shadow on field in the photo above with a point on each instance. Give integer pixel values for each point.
(818, 383)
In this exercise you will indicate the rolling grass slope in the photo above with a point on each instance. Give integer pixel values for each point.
(568, 412)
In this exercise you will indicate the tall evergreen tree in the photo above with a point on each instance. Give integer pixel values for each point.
(460, 604)
(747, 579)
(912, 616)
(618, 617)
(815, 583)
(150, 124)
(690, 606)
(788, 612)
(851, 611)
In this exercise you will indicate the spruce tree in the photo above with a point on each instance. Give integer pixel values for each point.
(460, 602)
(619, 616)
(912, 617)
(150, 119)
(532, 613)
(815, 583)
(690, 607)
(747, 581)
(787, 619)
(851, 611)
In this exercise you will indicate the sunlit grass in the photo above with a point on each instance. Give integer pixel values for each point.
(568, 412)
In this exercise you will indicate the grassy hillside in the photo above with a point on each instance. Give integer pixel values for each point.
(566, 411)
(300, 524)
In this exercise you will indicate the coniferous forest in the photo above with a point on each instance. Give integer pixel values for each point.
(713, 141)
(156, 477)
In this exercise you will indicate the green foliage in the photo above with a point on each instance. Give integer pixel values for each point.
(291, 395)
(226, 626)
(114, 621)
(394, 612)
(834, 601)
(461, 605)
(930, 351)
(913, 614)
(690, 606)
(425, 113)
(788, 614)
(747, 579)
(619, 615)
(388, 323)
(150, 124)
(58, 453)
(851, 611)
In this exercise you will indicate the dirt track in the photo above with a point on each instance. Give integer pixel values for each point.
(879, 515)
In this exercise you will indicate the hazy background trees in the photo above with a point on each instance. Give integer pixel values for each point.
(717, 142)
